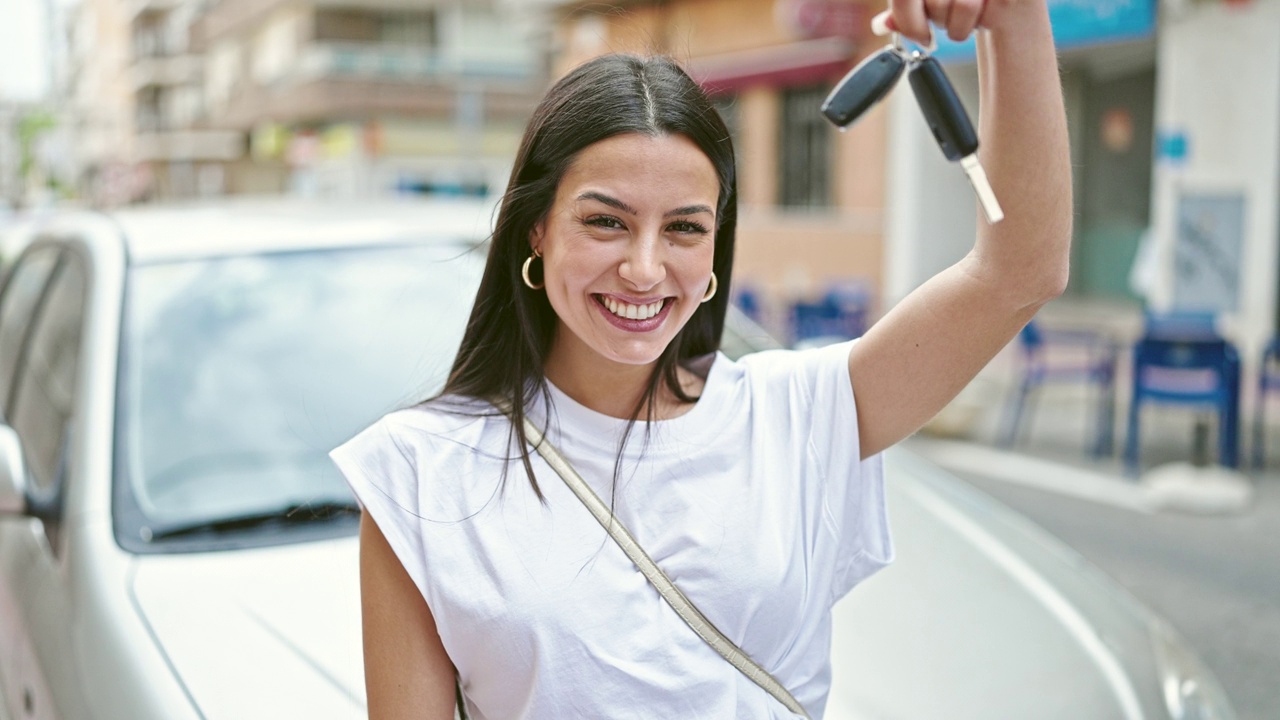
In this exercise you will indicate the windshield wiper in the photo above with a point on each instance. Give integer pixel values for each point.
(289, 516)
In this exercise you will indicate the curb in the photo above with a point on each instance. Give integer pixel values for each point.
(1180, 487)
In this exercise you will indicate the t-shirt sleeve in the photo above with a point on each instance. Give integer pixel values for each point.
(383, 475)
(853, 488)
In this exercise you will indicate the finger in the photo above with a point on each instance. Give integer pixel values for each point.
(938, 12)
(964, 19)
(909, 18)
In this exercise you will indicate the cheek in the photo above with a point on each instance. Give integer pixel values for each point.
(697, 265)
(572, 270)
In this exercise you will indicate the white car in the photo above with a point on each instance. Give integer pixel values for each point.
(175, 543)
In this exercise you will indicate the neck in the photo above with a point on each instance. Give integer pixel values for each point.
(608, 387)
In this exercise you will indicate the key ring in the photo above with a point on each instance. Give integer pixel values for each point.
(917, 53)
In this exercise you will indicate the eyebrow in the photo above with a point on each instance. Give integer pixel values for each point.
(620, 205)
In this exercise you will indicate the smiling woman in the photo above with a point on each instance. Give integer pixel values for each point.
(755, 487)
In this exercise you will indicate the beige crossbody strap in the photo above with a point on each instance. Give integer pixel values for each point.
(676, 599)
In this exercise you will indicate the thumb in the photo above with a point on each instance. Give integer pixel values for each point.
(883, 24)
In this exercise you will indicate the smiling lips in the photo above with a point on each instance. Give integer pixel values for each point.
(631, 312)
(633, 317)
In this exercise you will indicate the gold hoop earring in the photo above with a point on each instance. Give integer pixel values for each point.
(711, 289)
(524, 272)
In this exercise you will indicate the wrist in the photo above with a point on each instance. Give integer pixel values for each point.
(1016, 22)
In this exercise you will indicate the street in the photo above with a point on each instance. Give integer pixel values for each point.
(1214, 578)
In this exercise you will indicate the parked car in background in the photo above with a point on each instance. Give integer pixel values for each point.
(175, 543)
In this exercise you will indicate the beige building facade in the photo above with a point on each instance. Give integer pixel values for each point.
(369, 97)
(812, 198)
(178, 99)
(99, 94)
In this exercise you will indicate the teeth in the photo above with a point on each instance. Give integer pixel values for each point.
(632, 312)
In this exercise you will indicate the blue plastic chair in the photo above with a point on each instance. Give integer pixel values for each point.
(1092, 361)
(747, 299)
(1182, 360)
(840, 314)
(1268, 382)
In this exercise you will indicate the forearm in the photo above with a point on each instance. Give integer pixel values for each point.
(1024, 150)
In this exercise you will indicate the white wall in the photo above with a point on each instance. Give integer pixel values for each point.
(1218, 81)
(931, 213)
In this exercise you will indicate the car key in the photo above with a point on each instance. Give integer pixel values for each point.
(950, 124)
(864, 86)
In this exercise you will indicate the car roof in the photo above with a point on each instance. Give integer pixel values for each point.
(245, 226)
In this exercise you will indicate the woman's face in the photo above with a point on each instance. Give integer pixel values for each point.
(627, 247)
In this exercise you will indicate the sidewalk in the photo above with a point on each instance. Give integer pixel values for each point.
(1051, 452)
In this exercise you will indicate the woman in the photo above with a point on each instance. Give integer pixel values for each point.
(756, 485)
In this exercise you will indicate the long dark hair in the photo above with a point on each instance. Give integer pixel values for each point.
(512, 327)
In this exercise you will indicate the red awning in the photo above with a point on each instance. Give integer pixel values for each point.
(797, 63)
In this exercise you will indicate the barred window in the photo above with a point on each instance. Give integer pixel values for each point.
(805, 147)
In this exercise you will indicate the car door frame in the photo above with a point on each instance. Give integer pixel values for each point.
(42, 574)
(23, 690)
(106, 663)
(121, 671)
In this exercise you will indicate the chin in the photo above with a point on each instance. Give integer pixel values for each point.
(646, 355)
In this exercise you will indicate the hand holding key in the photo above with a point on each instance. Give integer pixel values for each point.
(945, 115)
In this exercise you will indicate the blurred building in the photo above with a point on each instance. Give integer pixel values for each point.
(11, 181)
(191, 98)
(360, 97)
(1216, 169)
(812, 197)
(99, 94)
(135, 88)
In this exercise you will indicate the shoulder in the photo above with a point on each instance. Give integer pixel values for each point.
(806, 366)
(443, 425)
(428, 432)
(433, 460)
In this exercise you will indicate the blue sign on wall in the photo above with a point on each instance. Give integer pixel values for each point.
(1075, 23)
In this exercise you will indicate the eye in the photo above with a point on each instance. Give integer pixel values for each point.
(688, 226)
(607, 222)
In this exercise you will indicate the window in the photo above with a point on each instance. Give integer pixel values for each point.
(805, 149)
(238, 374)
(222, 73)
(414, 28)
(727, 106)
(18, 301)
(274, 50)
(45, 385)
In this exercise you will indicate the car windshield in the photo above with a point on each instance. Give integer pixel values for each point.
(239, 374)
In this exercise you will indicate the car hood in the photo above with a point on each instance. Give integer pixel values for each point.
(263, 633)
(982, 614)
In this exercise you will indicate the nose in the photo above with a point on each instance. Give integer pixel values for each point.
(645, 263)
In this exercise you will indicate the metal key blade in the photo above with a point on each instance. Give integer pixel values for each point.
(982, 188)
(864, 86)
(951, 127)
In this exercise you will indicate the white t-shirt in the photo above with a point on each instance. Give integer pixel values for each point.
(754, 502)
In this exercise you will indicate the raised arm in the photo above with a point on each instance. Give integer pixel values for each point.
(928, 347)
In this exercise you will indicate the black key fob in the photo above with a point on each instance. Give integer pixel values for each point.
(942, 109)
(864, 86)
